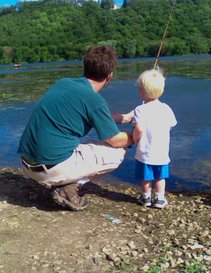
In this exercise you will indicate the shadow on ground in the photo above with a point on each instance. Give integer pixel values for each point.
(17, 190)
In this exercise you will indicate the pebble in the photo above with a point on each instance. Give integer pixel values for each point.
(96, 261)
(137, 231)
(180, 261)
(131, 244)
(178, 253)
(207, 257)
(134, 253)
(35, 257)
(146, 250)
(165, 266)
(106, 250)
(145, 268)
(171, 232)
(196, 246)
(208, 252)
(173, 263)
(176, 242)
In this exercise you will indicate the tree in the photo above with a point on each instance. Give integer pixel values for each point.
(175, 46)
(198, 44)
(111, 43)
(107, 4)
(54, 30)
(7, 54)
(130, 49)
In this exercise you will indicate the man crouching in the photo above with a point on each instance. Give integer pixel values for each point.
(50, 148)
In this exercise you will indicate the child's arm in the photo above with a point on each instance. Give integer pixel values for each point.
(137, 132)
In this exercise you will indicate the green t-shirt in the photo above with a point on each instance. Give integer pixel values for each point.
(64, 114)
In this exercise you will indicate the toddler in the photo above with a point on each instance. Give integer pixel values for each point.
(152, 123)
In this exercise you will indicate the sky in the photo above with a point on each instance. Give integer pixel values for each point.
(13, 2)
(8, 2)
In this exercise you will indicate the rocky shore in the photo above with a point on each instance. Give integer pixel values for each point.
(113, 235)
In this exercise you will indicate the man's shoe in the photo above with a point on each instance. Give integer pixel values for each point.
(68, 196)
(160, 204)
(146, 202)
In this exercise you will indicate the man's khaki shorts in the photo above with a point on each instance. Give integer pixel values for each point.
(88, 161)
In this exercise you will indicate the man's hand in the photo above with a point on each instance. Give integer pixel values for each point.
(127, 118)
(123, 118)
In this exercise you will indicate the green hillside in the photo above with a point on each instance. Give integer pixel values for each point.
(60, 30)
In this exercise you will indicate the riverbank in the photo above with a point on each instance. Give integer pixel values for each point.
(38, 236)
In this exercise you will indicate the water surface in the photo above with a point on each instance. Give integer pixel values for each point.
(188, 92)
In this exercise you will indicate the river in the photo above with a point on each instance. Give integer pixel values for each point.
(188, 92)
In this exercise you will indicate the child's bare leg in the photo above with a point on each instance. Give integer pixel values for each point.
(146, 189)
(160, 200)
(146, 186)
(160, 185)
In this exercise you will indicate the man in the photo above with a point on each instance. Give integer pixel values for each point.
(50, 148)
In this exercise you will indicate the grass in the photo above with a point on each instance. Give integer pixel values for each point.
(124, 266)
(195, 267)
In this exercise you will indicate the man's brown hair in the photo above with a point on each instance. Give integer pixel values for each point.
(99, 62)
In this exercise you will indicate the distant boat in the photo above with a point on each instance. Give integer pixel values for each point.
(17, 65)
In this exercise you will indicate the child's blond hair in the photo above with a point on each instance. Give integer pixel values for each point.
(151, 83)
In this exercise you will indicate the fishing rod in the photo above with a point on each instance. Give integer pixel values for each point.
(164, 36)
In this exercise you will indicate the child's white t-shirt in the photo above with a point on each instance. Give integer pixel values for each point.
(155, 119)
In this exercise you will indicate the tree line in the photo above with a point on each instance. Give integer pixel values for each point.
(54, 30)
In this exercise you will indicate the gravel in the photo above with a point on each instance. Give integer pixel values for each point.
(114, 234)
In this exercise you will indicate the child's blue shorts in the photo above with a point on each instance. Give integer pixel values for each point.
(151, 172)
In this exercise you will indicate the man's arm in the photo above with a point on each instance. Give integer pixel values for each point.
(121, 140)
(123, 118)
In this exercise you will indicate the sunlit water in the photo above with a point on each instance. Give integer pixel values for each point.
(188, 92)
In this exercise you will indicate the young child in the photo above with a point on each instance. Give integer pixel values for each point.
(152, 123)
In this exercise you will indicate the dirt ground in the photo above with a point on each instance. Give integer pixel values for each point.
(36, 235)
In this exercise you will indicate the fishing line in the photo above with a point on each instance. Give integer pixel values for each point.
(164, 36)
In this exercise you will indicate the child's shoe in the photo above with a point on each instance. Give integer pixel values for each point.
(160, 203)
(146, 202)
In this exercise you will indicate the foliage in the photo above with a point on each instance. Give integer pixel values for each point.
(195, 267)
(123, 266)
(56, 30)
